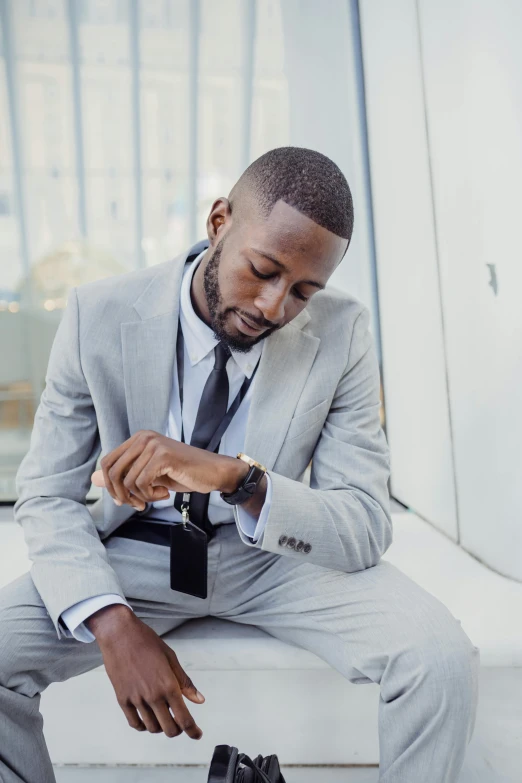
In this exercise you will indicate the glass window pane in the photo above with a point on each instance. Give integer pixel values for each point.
(164, 105)
(106, 97)
(44, 89)
(44, 204)
(220, 118)
(270, 102)
(80, 81)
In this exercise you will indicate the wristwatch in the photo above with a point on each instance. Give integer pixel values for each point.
(249, 484)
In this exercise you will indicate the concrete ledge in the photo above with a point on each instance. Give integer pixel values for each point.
(266, 696)
(488, 604)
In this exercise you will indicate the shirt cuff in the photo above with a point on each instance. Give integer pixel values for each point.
(73, 617)
(251, 527)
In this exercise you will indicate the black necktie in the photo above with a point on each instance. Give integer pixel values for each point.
(212, 408)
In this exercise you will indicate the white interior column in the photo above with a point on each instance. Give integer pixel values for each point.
(414, 369)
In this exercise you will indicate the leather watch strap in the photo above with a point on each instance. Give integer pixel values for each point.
(249, 484)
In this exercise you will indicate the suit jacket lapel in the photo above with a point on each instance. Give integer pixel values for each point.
(149, 346)
(285, 363)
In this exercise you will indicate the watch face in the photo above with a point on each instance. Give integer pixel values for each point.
(250, 461)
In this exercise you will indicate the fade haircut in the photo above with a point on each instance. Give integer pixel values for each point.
(303, 178)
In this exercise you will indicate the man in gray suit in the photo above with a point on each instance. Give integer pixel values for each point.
(303, 562)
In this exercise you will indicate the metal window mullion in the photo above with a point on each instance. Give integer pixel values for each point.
(136, 117)
(37, 383)
(193, 119)
(72, 17)
(249, 43)
(365, 161)
(14, 121)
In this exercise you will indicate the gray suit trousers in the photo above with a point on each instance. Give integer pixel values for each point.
(374, 625)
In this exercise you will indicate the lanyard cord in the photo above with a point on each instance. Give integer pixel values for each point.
(218, 434)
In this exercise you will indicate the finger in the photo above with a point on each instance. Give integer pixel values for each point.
(136, 497)
(136, 479)
(149, 718)
(192, 693)
(168, 484)
(110, 459)
(106, 466)
(152, 475)
(119, 470)
(165, 719)
(133, 719)
(186, 686)
(97, 478)
(182, 716)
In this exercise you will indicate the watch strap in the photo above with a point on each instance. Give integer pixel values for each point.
(247, 487)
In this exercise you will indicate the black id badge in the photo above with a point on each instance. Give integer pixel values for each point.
(188, 559)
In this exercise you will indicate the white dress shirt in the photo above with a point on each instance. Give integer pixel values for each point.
(199, 341)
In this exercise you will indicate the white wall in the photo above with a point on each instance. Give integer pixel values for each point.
(417, 411)
(472, 57)
(444, 91)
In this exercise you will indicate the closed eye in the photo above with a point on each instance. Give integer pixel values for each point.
(258, 274)
(267, 277)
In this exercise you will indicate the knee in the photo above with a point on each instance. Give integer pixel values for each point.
(6, 650)
(18, 652)
(16, 633)
(451, 662)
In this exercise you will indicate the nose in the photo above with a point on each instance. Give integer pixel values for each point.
(272, 304)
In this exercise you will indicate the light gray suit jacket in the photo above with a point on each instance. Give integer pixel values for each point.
(316, 397)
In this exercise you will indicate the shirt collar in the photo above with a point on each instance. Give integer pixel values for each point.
(199, 337)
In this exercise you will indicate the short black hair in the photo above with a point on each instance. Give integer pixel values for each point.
(306, 180)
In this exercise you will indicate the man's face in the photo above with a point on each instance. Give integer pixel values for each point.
(234, 289)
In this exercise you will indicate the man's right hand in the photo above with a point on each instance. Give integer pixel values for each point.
(145, 673)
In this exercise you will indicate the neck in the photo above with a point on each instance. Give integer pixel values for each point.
(197, 292)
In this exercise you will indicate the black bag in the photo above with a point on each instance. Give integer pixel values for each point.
(230, 766)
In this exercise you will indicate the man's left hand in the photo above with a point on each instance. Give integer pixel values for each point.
(147, 465)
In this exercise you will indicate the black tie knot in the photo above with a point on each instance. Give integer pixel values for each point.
(222, 354)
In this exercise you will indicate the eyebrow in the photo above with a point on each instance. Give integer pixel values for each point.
(282, 266)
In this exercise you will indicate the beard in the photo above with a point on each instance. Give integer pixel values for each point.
(218, 314)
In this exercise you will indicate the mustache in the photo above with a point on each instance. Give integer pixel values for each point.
(256, 322)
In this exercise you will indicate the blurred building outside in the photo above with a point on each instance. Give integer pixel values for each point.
(121, 121)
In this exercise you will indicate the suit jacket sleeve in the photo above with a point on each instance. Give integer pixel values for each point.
(344, 515)
(69, 561)
(251, 527)
(74, 618)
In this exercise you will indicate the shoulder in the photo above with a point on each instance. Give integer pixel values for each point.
(334, 311)
(123, 289)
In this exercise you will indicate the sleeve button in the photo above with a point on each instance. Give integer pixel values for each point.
(299, 546)
(283, 540)
(291, 543)
(307, 548)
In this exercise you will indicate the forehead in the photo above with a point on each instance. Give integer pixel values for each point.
(294, 239)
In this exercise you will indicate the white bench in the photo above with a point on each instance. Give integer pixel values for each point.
(265, 696)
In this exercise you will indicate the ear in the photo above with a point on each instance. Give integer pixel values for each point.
(218, 219)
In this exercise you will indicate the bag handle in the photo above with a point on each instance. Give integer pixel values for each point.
(259, 776)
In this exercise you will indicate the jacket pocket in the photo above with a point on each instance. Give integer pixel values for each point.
(304, 421)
